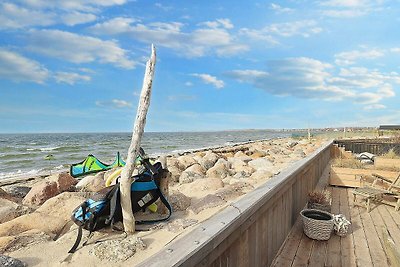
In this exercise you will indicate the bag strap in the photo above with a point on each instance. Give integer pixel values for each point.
(79, 236)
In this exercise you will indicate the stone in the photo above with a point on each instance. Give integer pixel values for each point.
(5, 195)
(118, 250)
(175, 173)
(185, 161)
(174, 162)
(236, 163)
(197, 169)
(219, 170)
(26, 239)
(208, 160)
(92, 183)
(179, 201)
(260, 164)
(207, 184)
(10, 210)
(180, 224)
(18, 191)
(244, 171)
(228, 192)
(209, 201)
(258, 154)
(292, 144)
(260, 175)
(6, 261)
(48, 218)
(65, 182)
(41, 192)
(243, 187)
(300, 152)
(242, 156)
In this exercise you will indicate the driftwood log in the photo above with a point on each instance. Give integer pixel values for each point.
(137, 133)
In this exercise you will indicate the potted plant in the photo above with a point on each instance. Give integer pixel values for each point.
(320, 200)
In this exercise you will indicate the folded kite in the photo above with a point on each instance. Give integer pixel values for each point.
(92, 165)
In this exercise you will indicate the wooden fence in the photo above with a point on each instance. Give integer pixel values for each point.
(374, 146)
(250, 231)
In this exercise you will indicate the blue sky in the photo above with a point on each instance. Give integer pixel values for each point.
(77, 66)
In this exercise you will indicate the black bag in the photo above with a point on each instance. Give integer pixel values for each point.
(104, 207)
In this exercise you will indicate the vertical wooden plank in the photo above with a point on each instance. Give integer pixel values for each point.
(252, 244)
(363, 257)
(244, 249)
(270, 235)
(333, 257)
(347, 243)
(233, 259)
(379, 225)
(263, 253)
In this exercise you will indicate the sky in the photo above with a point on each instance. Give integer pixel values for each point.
(78, 66)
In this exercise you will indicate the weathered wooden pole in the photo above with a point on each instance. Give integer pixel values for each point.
(137, 133)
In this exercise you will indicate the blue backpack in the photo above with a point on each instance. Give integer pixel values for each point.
(104, 208)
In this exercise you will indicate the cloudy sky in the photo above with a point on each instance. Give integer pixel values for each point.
(77, 66)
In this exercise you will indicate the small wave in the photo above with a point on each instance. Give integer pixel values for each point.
(49, 148)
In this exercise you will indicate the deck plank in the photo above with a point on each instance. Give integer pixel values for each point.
(348, 257)
(303, 254)
(380, 226)
(333, 254)
(363, 256)
(318, 254)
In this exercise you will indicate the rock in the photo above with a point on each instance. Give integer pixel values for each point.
(18, 191)
(65, 182)
(257, 154)
(179, 201)
(244, 171)
(50, 187)
(219, 170)
(243, 187)
(242, 156)
(228, 192)
(118, 250)
(206, 202)
(197, 169)
(41, 192)
(260, 164)
(194, 172)
(260, 175)
(5, 195)
(175, 173)
(180, 224)
(26, 239)
(292, 144)
(6, 261)
(92, 183)
(209, 160)
(185, 161)
(300, 152)
(10, 210)
(55, 212)
(207, 184)
(236, 163)
(174, 162)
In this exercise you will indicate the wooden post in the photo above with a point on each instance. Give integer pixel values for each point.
(137, 133)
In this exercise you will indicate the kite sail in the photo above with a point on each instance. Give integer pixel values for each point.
(92, 165)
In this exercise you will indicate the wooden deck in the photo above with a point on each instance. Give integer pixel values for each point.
(363, 246)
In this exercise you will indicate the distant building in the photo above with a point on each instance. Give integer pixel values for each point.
(389, 127)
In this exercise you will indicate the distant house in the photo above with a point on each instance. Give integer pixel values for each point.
(389, 128)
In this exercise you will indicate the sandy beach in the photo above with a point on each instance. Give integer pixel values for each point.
(201, 183)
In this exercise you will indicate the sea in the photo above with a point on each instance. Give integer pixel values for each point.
(44, 154)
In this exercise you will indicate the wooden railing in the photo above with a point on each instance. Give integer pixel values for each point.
(375, 146)
(250, 231)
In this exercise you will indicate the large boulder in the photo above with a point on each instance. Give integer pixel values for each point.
(208, 160)
(92, 183)
(260, 164)
(175, 173)
(174, 162)
(212, 184)
(18, 191)
(242, 156)
(10, 210)
(219, 170)
(186, 161)
(194, 172)
(50, 187)
(261, 175)
(48, 218)
(41, 192)
(117, 250)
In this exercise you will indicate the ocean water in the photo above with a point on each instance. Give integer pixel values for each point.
(24, 154)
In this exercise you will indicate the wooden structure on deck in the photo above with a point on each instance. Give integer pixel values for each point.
(378, 146)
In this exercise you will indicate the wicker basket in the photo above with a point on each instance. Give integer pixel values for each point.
(317, 206)
(317, 224)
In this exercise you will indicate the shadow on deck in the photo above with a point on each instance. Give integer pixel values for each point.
(363, 246)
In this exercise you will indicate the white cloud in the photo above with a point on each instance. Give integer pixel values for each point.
(208, 79)
(75, 18)
(70, 77)
(350, 8)
(270, 33)
(13, 17)
(211, 37)
(350, 57)
(188, 84)
(114, 103)
(374, 107)
(77, 48)
(279, 9)
(313, 79)
(75, 5)
(18, 68)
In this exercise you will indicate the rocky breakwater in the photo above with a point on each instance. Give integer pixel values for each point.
(200, 183)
